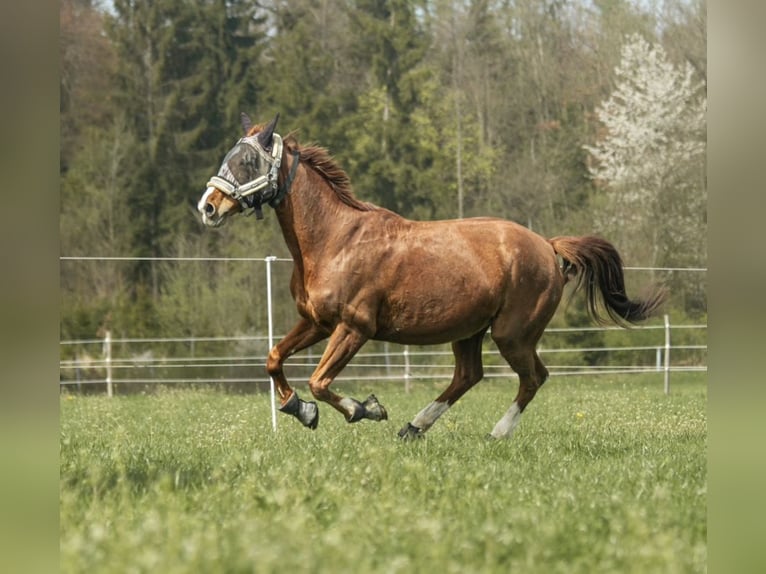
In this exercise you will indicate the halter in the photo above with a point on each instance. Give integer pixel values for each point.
(264, 188)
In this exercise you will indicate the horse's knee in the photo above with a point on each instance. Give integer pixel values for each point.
(273, 362)
(320, 390)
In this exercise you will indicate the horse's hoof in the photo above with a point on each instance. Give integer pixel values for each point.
(374, 410)
(309, 414)
(410, 432)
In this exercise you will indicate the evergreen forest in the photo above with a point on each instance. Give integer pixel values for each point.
(568, 116)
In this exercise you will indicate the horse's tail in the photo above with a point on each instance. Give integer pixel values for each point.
(597, 266)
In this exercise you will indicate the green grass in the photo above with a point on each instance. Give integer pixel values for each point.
(602, 475)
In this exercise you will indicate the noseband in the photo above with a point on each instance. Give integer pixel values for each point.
(264, 188)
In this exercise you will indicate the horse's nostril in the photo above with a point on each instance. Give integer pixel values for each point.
(209, 209)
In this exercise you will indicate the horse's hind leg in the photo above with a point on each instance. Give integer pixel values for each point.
(532, 374)
(302, 335)
(468, 372)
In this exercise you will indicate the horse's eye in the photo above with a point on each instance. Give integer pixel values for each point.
(250, 161)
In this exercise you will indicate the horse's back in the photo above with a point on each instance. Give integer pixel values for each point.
(489, 246)
(445, 280)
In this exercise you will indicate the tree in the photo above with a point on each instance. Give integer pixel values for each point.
(436, 109)
(185, 68)
(310, 73)
(94, 220)
(392, 138)
(467, 56)
(684, 33)
(537, 60)
(650, 159)
(87, 64)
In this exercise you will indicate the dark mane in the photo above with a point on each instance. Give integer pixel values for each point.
(320, 160)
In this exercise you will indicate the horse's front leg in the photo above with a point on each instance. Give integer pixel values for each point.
(302, 335)
(342, 346)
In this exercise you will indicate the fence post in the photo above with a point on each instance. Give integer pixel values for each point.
(406, 369)
(659, 359)
(108, 361)
(667, 354)
(268, 260)
(77, 373)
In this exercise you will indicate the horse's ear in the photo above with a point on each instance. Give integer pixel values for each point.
(266, 136)
(246, 122)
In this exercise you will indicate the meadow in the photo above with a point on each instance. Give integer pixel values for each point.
(604, 474)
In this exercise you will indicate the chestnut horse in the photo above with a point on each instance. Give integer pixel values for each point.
(363, 272)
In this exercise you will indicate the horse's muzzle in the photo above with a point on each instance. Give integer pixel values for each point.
(209, 216)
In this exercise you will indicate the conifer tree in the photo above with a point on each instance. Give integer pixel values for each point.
(186, 68)
(389, 162)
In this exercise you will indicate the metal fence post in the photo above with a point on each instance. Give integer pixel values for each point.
(667, 354)
(108, 361)
(406, 368)
(269, 306)
(659, 359)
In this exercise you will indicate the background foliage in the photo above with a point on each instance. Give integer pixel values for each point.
(437, 109)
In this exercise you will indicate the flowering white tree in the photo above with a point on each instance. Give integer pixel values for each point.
(651, 160)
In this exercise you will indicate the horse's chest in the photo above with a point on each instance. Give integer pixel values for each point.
(318, 305)
(328, 304)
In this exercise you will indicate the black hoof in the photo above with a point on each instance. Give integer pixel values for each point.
(307, 413)
(410, 432)
(374, 410)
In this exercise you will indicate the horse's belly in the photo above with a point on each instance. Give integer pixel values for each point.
(429, 320)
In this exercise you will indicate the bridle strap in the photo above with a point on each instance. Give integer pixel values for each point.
(284, 189)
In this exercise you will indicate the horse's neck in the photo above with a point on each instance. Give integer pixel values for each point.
(311, 215)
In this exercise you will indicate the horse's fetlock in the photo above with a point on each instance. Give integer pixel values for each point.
(291, 405)
(354, 410)
(410, 432)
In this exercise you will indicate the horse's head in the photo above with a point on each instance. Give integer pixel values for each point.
(247, 177)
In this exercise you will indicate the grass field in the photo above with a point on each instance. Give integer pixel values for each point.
(602, 475)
